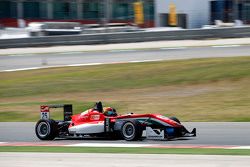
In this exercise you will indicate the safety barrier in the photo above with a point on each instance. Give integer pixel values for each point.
(126, 37)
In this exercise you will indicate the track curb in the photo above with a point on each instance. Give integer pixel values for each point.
(116, 145)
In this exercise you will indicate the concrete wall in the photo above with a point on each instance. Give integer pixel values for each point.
(198, 11)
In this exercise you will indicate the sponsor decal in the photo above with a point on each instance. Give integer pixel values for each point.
(154, 134)
(162, 117)
(94, 117)
(44, 109)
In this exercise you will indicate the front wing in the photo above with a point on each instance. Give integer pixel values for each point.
(168, 133)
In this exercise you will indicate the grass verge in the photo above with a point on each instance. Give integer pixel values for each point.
(214, 89)
(196, 151)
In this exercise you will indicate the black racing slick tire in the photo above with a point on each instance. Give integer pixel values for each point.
(175, 119)
(46, 129)
(131, 130)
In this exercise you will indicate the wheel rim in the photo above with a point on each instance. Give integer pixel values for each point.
(128, 130)
(43, 129)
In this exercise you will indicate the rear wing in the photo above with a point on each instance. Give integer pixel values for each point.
(67, 111)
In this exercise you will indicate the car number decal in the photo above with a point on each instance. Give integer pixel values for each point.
(44, 112)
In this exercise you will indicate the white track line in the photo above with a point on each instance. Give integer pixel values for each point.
(107, 145)
(30, 68)
(141, 61)
(67, 53)
(125, 50)
(19, 55)
(85, 64)
(174, 48)
(77, 65)
(225, 46)
(24, 69)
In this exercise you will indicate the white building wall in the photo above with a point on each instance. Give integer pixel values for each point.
(198, 11)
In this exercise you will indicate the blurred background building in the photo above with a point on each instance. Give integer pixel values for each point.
(196, 13)
(189, 13)
(84, 11)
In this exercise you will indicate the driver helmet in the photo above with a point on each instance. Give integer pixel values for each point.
(109, 111)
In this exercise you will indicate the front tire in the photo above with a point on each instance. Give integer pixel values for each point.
(131, 130)
(46, 129)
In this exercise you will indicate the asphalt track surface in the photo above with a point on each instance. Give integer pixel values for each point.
(214, 134)
(207, 133)
(13, 62)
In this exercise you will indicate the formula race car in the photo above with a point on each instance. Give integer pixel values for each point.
(104, 122)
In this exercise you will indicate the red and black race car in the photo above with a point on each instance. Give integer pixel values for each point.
(100, 122)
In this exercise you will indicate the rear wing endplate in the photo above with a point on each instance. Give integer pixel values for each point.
(67, 111)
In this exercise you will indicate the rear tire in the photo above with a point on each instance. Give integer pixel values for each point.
(46, 129)
(131, 130)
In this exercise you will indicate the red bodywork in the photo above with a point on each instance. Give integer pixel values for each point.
(94, 117)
